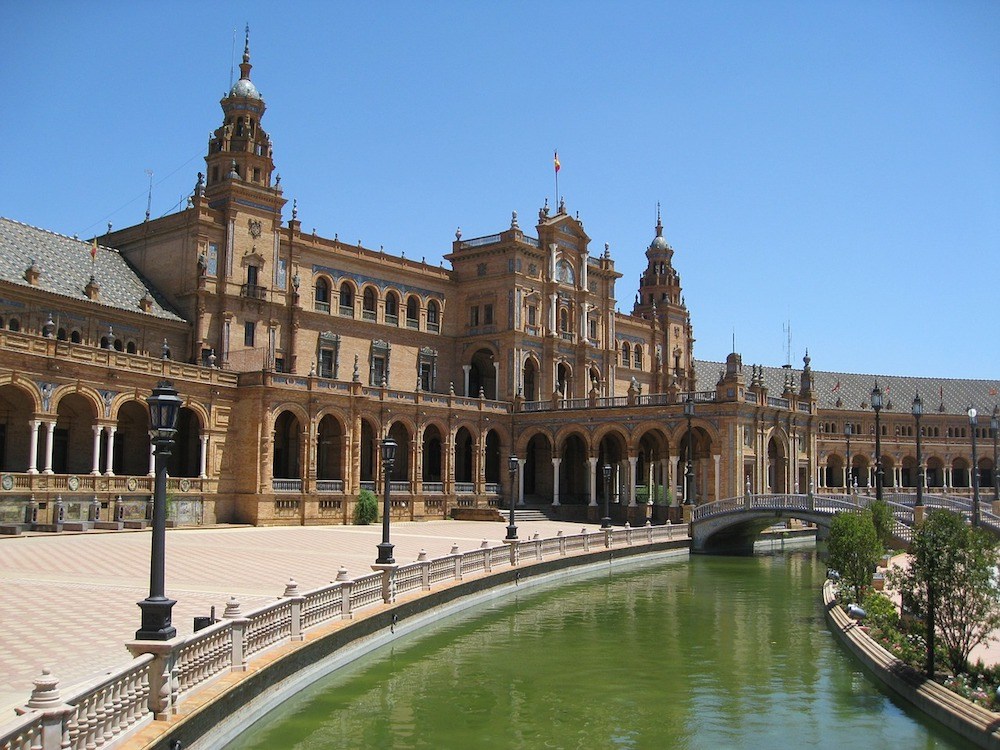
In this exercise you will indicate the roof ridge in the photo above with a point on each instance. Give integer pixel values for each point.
(58, 234)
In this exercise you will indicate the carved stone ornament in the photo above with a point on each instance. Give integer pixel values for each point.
(255, 228)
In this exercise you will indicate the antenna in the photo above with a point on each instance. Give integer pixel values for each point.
(734, 339)
(232, 60)
(787, 328)
(149, 195)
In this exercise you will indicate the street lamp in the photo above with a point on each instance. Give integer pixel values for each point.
(388, 459)
(973, 421)
(994, 431)
(164, 406)
(848, 431)
(918, 410)
(512, 467)
(606, 521)
(689, 471)
(877, 406)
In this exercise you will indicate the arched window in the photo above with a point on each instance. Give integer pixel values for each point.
(75, 337)
(626, 354)
(433, 316)
(130, 347)
(61, 334)
(564, 320)
(322, 294)
(118, 345)
(368, 304)
(412, 312)
(638, 357)
(347, 300)
(14, 324)
(392, 309)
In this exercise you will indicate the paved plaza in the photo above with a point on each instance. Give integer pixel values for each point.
(69, 600)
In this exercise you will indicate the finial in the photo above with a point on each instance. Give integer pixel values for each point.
(233, 174)
(607, 249)
(277, 182)
(199, 189)
(165, 351)
(458, 234)
(357, 376)
(109, 227)
(295, 209)
(246, 45)
(513, 220)
(562, 205)
(659, 223)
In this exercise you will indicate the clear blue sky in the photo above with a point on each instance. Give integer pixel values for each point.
(833, 165)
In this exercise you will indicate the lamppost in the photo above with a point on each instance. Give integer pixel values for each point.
(994, 431)
(512, 467)
(877, 406)
(973, 421)
(606, 521)
(164, 406)
(689, 471)
(388, 459)
(848, 431)
(918, 410)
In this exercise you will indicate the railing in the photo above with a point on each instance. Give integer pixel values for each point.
(367, 314)
(253, 291)
(750, 397)
(533, 241)
(701, 397)
(574, 403)
(780, 403)
(492, 488)
(368, 485)
(433, 488)
(650, 399)
(286, 485)
(464, 488)
(104, 711)
(490, 239)
(323, 307)
(403, 487)
(346, 311)
(329, 485)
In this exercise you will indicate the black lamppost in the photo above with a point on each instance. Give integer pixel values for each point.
(994, 431)
(918, 411)
(877, 406)
(388, 459)
(848, 431)
(164, 406)
(973, 421)
(606, 521)
(512, 467)
(689, 471)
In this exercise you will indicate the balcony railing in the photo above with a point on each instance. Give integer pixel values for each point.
(329, 485)
(464, 488)
(346, 311)
(253, 291)
(286, 485)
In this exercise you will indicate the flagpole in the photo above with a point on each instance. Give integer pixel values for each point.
(555, 164)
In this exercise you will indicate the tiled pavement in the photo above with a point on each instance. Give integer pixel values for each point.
(68, 601)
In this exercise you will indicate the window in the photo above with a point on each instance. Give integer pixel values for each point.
(626, 354)
(281, 273)
(412, 312)
(75, 337)
(347, 300)
(322, 294)
(433, 316)
(328, 356)
(532, 315)
(249, 329)
(379, 363)
(487, 315)
(474, 316)
(212, 262)
(325, 363)
(564, 320)
(279, 364)
(368, 304)
(427, 368)
(252, 274)
(592, 329)
(638, 357)
(392, 309)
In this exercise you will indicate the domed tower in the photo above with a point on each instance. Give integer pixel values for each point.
(659, 300)
(240, 149)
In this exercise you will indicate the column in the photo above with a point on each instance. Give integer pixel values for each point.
(152, 459)
(678, 467)
(666, 478)
(496, 381)
(520, 480)
(716, 459)
(96, 470)
(552, 314)
(466, 369)
(631, 479)
(33, 447)
(555, 480)
(593, 479)
(50, 428)
(109, 458)
(204, 457)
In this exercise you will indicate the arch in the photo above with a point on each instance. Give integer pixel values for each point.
(595, 377)
(935, 472)
(564, 379)
(611, 451)
(321, 294)
(412, 311)
(702, 443)
(652, 477)
(777, 463)
(529, 379)
(888, 470)
(130, 347)
(400, 432)
(637, 356)
(464, 448)
(369, 450)
(434, 315)
(369, 302)
(986, 479)
(538, 478)
(626, 354)
(14, 325)
(483, 375)
(185, 459)
(346, 297)
(72, 441)
(17, 405)
(491, 457)
(960, 476)
(860, 470)
(75, 337)
(908, 471)
(574, 470)
(392, 307)
(131, 443)
(330, 445)
(286, 441)
(834, 473)
(433, 455)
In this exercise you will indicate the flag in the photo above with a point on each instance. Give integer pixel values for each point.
(555, 161)
(835, 388)
(93, 250)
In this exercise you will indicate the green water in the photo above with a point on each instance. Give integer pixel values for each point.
(708, 653)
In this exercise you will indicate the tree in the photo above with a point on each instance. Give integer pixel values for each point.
(883, 519)
(366, 510)
(950, 584)
(854, 549)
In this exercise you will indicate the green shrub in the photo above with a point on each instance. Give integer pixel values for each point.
(881, 612)
(366, 510)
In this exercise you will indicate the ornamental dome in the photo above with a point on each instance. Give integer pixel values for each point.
(245, 88)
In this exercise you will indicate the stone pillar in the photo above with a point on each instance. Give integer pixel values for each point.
(203, 458)
(593, 479)
(96, 470)
(715, 461)
(631, 479)
(520, 480)
(50, 428)
(152, 459)
(466, 369)
(496, 381)
(109, 459)
(33, 447)
(555, 480)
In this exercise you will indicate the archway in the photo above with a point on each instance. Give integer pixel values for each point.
(401, 466)
(131, 451)
(463, 455)
(573, 472)
(492, 457)
(369, 449)
(538, 469)
(482, 375)
(73, 439)
(935, 472)
(564, 376)
(285, 462)
(861, 471)
(834, 471)
(652, 478)
(777, 466)
(611, 452)
(185, 459)
(16, 408)
(529, 380)
(329, 448)
(431, 469)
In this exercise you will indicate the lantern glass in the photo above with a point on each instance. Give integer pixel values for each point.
(918, 406)
(512, 464)
(689, 407)
(876, 398)
(607, 471)
(995, 420)
(388, 450)
(972, 417)
(848, 429)
(164, 406)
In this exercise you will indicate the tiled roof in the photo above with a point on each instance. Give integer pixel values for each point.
(852, 391)
(65, 266)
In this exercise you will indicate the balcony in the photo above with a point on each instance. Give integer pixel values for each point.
(253, 291)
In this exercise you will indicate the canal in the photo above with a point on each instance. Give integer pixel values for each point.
(711, 652)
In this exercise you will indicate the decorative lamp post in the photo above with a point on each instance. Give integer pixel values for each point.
(388, 459)
(606, 521)
(994, 431)
(918, 410)
(164, 406)
(877, 406)
(512, 467)
(848, 479)
(689, 471)
(973, 421)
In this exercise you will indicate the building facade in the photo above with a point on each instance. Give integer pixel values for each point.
(297, 354)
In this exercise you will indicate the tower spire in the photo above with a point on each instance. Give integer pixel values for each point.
(659, 224)
(245, 65)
